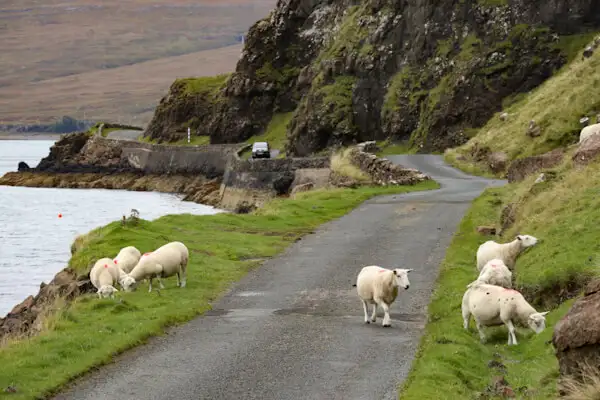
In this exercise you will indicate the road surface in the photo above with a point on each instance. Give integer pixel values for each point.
(293, 329)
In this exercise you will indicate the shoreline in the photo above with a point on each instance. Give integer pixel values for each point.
(30, 136)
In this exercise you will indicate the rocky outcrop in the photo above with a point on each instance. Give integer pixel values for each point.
(588, 151)
(576, 336)
(521, 168)
(424, 70)
(27, 318)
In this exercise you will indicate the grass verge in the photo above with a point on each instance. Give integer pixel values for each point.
(224, 247)
(451, 360)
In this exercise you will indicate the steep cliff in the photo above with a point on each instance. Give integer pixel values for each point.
(351, 71)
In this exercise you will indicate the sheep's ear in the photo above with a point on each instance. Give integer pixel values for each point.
(518, 237)
(408, 270)
(544, 313)
(395, 273)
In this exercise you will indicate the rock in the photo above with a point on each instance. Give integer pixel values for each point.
(302, 188)
(521, 168)
(533, 130)
(503, 116)
(584, 121)
(587, 151)
(486, 230)
(479, 153)
(23, 166)
(588, 131)
(497, 161)
(507, 217)
(283, 183)
(541, 178)
(588, 52)
(576, 336)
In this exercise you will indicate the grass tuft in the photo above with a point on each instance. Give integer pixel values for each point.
(587, 388)
(341, 163)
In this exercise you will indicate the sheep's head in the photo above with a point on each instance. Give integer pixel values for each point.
(402, 277)
(527, 240)
(107, 291)
(537, 321)
(128, 283)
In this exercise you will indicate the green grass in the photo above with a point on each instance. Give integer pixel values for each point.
(556, 106)
(389, 148)
(194, 141)
(203, 84)
(451, 362)
(91, 331)
(563, 214)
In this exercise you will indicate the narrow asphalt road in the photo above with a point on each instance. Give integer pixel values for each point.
(293, 329)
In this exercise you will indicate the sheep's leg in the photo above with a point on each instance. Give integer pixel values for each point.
(511, 333)
(160, 282)
(178, 280)
(466, 314)
(366, 309)
(150, 284)
(480, 329)
(374, 313)
(184, 272)
(386, 317)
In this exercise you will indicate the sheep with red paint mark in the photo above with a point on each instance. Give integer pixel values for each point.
(379, 287)
(104, 275)
(168, 260)
(492, 305)
(127, 258)
(494, 272)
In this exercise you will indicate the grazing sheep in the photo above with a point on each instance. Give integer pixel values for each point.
(495, 272)
(166, 261)
(493, 305)
(507, 252)
(103, 276)
(127, 258)
(379, 286)
(588, 131)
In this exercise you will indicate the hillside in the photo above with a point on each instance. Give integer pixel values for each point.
(428, 72)
(111, 60)
(560, 207)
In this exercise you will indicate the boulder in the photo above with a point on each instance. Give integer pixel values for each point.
(486, 230)
(576, 336)
(23, 167)
(533, 130)
(497, 161)
(519, 169)
(588, 131)
(587, 151)
(302, 188)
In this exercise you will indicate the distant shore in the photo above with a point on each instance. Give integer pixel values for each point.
(29, 136)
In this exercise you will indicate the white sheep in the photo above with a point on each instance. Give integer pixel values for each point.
(166, 261)
(588, 131)
(103, 276)
(127, 258)
(507, 252)
(379, 286)
(495, 272)
(493, 305)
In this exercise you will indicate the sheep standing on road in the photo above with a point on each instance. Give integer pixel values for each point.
(507, 252)
(127, 258)
(495, 272)
(379, 286)
(168, 260)
(103, 276)
(492, 305)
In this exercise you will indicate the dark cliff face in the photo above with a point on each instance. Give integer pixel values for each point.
(352, 71)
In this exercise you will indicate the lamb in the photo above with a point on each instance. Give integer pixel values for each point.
(493, 305)
(495, 272)
(103, 275)
(507, 252)
(166, 261)
(379, 286)
(127, 258)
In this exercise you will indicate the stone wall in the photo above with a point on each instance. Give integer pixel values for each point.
(521, 168)
(382, 171)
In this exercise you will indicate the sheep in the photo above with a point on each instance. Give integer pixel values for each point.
(379, 286)
(103, 275)
(588, 132)
(127, 258)
(166, 261)
(493, 305)
(495, 272)
(507, 252)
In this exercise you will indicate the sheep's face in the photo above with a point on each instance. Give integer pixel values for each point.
(527, 240)
(537, 321)
(129, 284)
(402, 277)
(107, 291)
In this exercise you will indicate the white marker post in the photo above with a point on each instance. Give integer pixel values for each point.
(188, 134)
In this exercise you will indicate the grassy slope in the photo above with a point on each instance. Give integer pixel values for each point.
(275, 134)
(556, 106)
(222, 249)
(562, 212)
